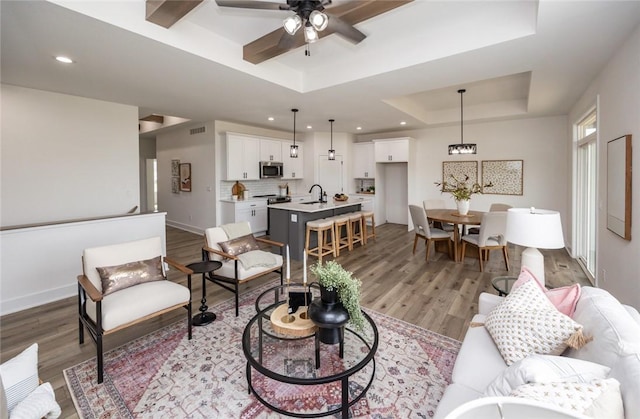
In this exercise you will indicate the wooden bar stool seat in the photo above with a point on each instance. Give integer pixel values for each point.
(357, 230)
(342, 232)
(324, 231)
(368, 215)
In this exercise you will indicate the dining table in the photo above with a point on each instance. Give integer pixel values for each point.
(451, 216)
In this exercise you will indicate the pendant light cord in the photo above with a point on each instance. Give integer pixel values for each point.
(331, 120)
(461, 91)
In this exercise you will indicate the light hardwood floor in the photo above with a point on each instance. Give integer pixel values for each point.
(440, 296)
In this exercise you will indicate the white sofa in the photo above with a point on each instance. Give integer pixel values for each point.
(615, 329)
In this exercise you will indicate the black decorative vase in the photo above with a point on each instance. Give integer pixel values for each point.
(329, 315)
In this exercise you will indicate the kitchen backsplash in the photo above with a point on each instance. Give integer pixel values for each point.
(262, 187)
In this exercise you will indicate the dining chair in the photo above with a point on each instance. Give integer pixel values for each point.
(424, 231)
(494, 207)
(428, 204)
(490, 237)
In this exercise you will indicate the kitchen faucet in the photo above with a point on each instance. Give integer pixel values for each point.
(313, 186)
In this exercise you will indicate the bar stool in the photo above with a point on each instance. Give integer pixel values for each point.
(357, 231)
(368, 215)
(342, 225)
(323, 228)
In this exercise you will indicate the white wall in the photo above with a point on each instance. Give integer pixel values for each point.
(65, 157)
(618, 90)
(196, 210)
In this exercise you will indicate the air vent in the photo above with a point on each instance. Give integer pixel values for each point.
(194, 131)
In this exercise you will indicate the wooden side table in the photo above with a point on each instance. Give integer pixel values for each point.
(204, 317)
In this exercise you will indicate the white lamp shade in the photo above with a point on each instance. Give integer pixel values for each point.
(532, 227)
(319, 20)
(310, 34)
(292, 24)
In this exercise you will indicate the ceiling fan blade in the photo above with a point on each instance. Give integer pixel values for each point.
(343, 28)
(252, 4)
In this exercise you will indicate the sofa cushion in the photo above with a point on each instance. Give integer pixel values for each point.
(115, 278)
(118, 254)
(479, 360)
(20, 375)
(599, 398)
(564, 299)
(454, 395)
(545, 368)
(137, 302)
(615, 333)
(239, 245)
(526, 322)
(627, 371)
(229, 266)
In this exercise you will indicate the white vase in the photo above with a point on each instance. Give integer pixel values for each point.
(463, 206)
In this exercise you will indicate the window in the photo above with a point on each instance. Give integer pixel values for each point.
(586, 193)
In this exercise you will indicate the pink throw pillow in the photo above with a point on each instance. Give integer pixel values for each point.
(563, 298)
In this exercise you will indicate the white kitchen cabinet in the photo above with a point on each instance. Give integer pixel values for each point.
(364, 161)
(253, 211)
(293, 167)
(270, 150)
(242, 157)
(392, 151)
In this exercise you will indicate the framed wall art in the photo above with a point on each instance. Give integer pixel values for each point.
(619, 186)
(505, 177)
(175, 168)
(185, 177)
(175, 184)
(459, 170)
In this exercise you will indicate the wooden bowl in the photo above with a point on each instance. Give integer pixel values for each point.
(341, 199)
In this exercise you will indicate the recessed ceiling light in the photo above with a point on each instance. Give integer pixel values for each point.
(359, 128)
(63, 59)
(403, 123)
(309, 127)
(271, 118)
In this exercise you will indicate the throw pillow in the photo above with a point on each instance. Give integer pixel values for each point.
(239, 245)
(20, 375)
(115, 278)
(564, 299)
(526, 322)
(598, 398)
(544, 368)
(41, 403)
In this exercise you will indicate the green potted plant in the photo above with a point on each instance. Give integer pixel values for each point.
(333, 278)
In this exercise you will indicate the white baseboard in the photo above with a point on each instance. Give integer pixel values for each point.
(33, 300)
(185, 227)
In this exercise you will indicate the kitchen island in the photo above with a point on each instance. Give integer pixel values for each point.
(288, 221)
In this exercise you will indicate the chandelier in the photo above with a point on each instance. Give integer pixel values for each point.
(462, 148)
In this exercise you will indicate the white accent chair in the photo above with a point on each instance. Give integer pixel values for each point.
(424, 231)
(490, 237)
(103, 314)
(233, 273)
(493, 208)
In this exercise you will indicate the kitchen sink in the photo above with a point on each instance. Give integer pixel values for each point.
(310, 202)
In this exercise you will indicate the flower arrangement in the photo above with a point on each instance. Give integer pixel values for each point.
(333, 276)
(460, 189)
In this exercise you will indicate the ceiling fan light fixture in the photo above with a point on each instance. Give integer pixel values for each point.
(332, 152)
(318, 20)
(292, 24)
(293, 150)
(310, 34)
(462, 148)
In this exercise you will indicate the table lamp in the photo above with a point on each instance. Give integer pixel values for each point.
(534, 229)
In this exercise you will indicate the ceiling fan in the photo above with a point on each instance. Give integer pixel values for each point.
(309, 22)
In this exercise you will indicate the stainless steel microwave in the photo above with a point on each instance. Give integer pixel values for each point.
(271, 169)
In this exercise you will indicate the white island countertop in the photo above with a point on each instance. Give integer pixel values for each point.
(317, 206)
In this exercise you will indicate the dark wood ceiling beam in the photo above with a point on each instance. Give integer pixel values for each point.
(153, 118)
(353, 12)
(167, 12)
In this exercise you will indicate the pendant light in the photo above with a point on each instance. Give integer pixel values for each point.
(462, 148)
(332, 152)
(293, 152)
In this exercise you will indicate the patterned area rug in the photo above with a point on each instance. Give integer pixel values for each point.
(164, 374)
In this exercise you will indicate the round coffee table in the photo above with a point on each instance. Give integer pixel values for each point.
(204, 317)
(503, 284)
(284, 370)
